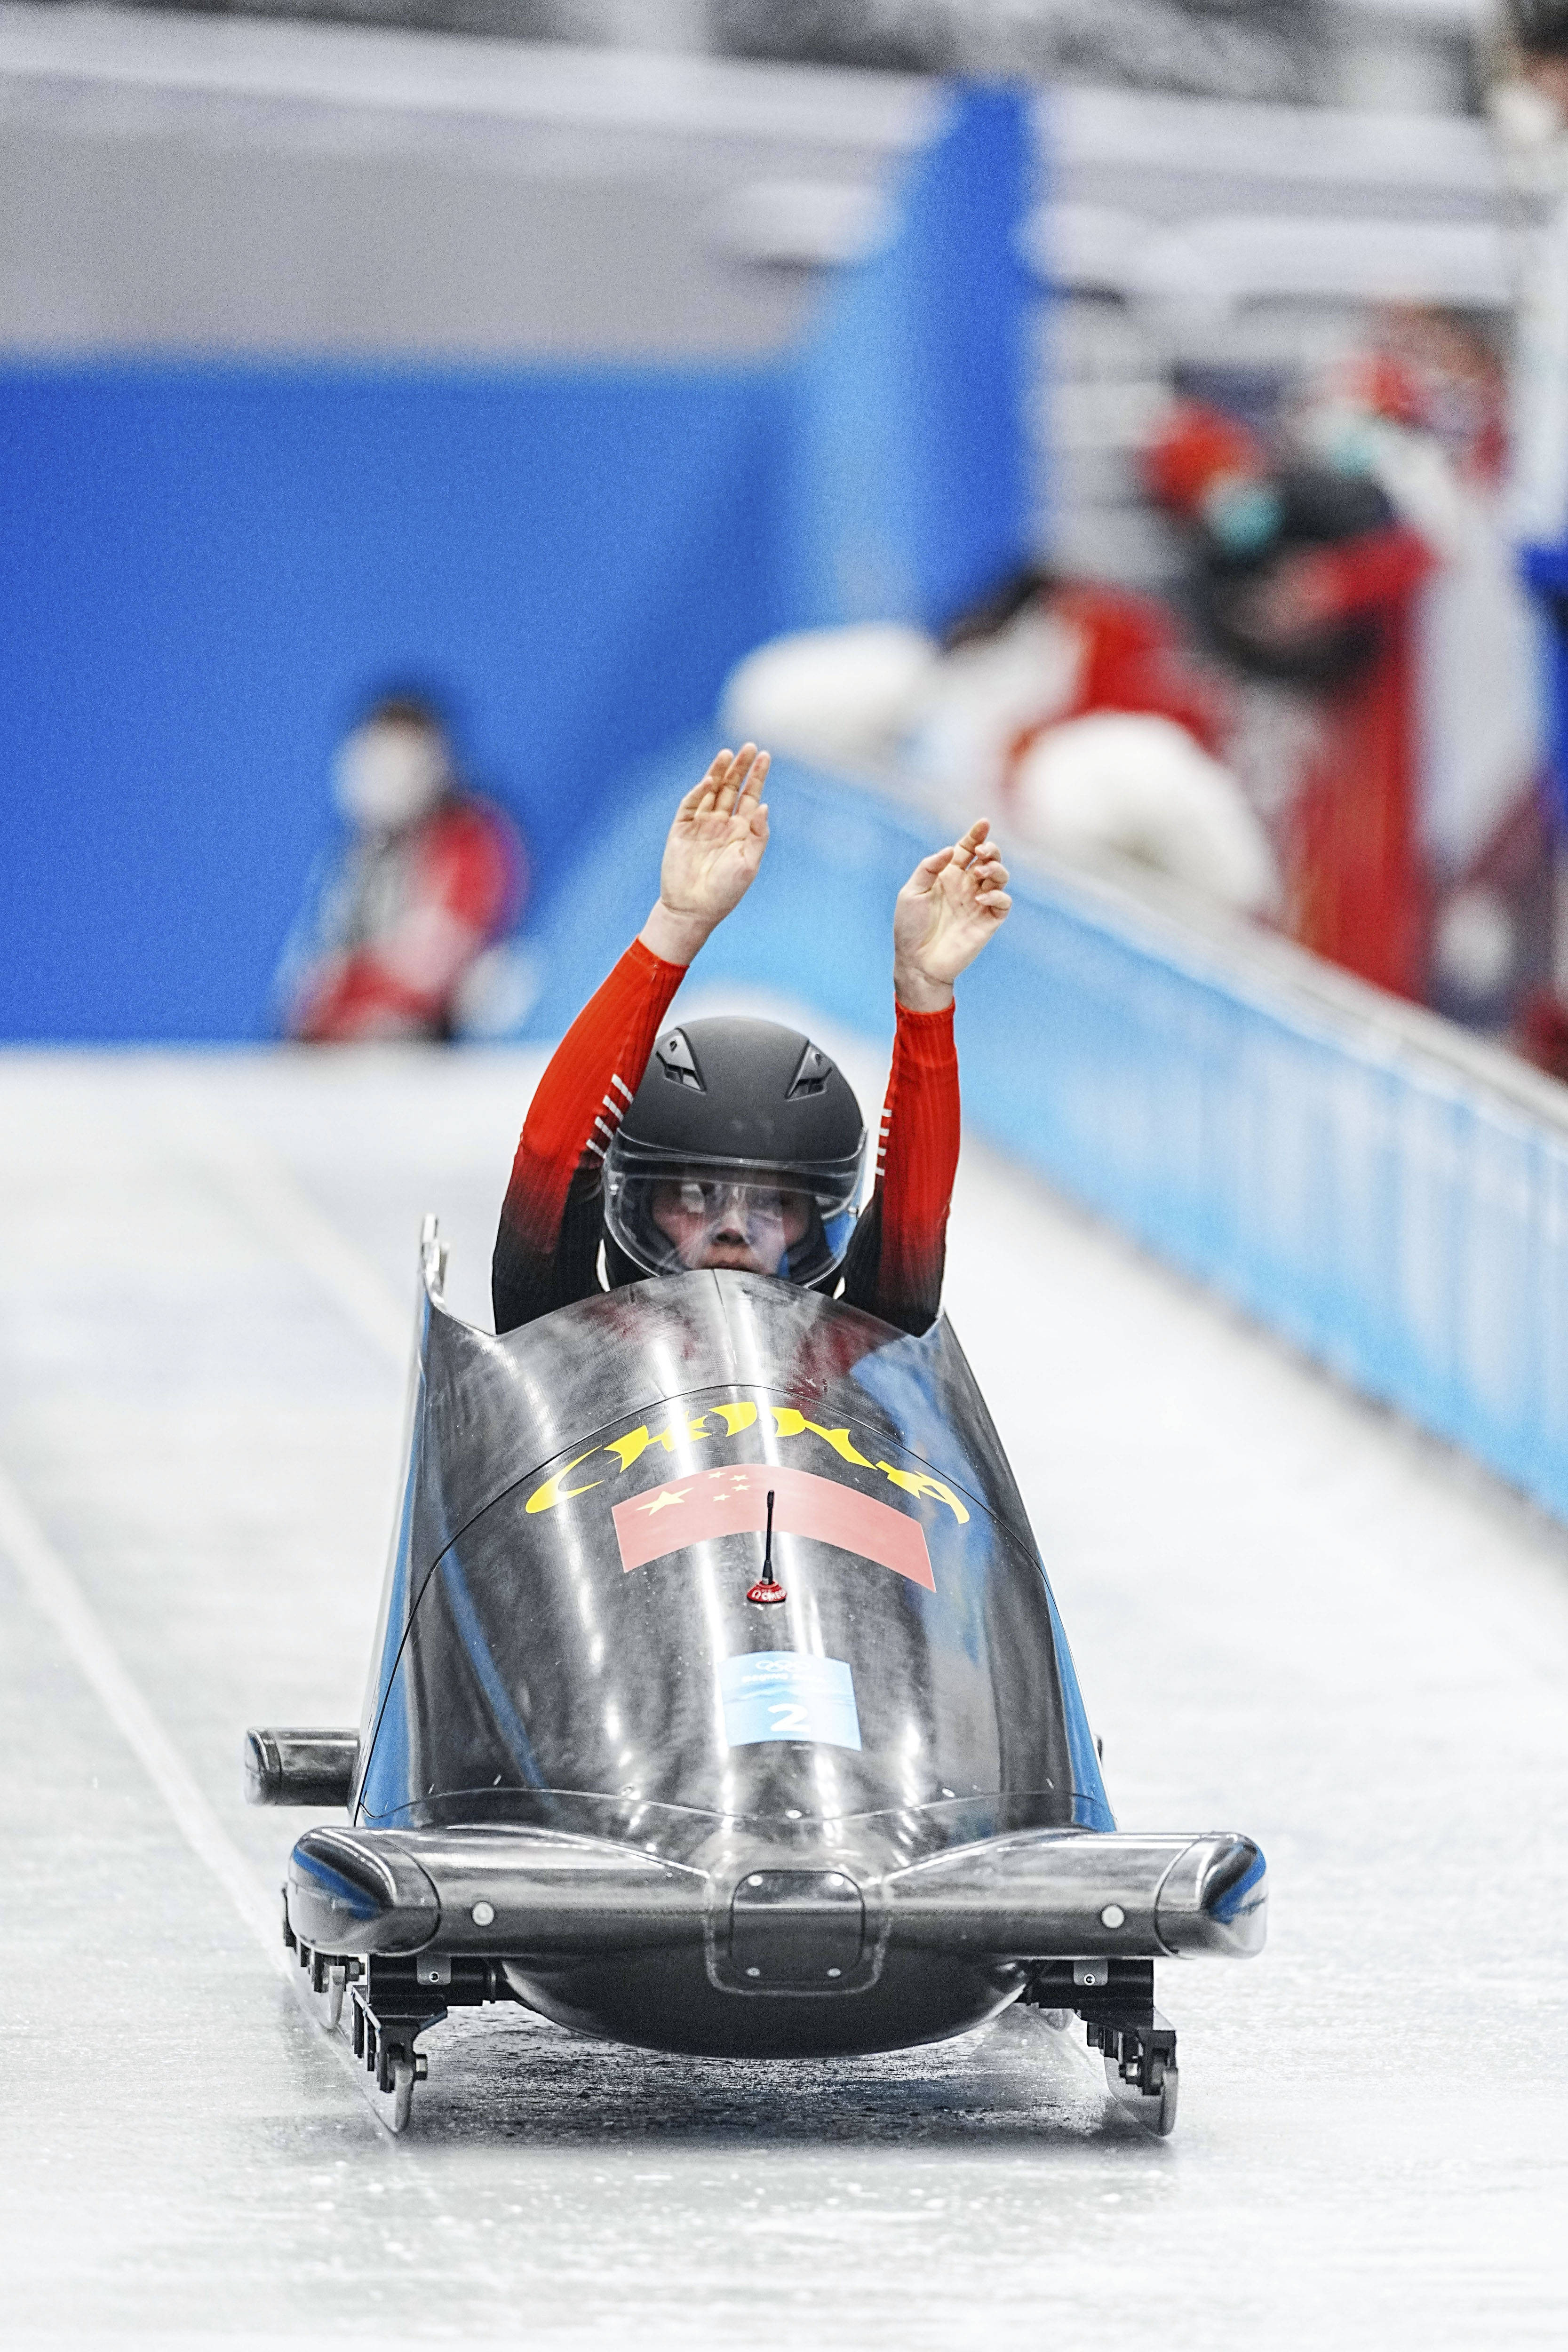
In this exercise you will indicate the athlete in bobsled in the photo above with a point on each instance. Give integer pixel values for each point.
(736, 1143)
(720, 1702)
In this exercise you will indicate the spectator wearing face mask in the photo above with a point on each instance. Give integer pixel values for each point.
(428, 879)
(1304, 577)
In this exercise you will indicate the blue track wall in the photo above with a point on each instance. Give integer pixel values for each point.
(907, 477)
(1546, 572)
(204, 570)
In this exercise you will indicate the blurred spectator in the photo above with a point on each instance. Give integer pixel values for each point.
(399, 919)
(1492, 933)
(1116, 751)
(840, 697)
(1304, 576)
(1529, 107)
(1069, 708)
(1422, 412)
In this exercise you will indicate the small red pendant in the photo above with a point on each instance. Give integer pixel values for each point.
(765, 1592)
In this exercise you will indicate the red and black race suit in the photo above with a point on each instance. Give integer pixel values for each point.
(547, 1249)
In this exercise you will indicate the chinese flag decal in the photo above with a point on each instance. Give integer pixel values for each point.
(735, 1501)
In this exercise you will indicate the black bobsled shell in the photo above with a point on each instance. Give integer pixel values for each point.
(525, 1674)
(672, 1765)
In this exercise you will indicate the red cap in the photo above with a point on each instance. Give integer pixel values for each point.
(1195, 446)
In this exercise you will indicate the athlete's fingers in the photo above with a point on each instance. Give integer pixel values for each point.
(713, 783)
(717, 801)
(731, 789)
(717, 782)
(691, 802)
(966, 849)
(752, 790)
(929, 872)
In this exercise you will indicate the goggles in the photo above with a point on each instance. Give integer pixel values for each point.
(674, 1218)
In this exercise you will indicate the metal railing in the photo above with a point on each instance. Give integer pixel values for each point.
(1388, 1194)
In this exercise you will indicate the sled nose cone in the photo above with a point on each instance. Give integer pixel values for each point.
(1052, 1895)
(541, 1892)
(355, 1894)
(1214, 1898)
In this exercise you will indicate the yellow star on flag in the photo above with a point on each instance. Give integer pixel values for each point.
(662, 1502)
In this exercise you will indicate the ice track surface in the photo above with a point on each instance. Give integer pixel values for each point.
(1291, 1616)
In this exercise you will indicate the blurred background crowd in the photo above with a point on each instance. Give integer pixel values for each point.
(420, 415)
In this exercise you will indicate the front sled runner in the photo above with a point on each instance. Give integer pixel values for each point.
(720, 1704)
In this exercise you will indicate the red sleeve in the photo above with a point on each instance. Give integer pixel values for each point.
(917, 1160)
(580, 1100)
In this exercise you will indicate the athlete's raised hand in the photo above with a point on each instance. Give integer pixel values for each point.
(954, 901)
(712, 857)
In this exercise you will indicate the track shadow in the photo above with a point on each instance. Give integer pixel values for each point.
(520, 2080)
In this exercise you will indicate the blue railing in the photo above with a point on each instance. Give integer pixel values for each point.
(1388, 1194)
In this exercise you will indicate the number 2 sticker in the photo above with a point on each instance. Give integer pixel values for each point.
(788, 1695)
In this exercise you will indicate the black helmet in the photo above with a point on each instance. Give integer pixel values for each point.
(742, 1136)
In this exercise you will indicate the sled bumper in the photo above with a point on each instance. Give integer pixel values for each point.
(545, 1895)
(1043, 1894)
(496, 1891)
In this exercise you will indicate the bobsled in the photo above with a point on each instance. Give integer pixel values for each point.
(720, 1704)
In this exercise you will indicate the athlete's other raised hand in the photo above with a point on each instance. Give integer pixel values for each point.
(712, 857)
(954, 901)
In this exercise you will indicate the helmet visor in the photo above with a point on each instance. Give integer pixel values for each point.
(672, 1216)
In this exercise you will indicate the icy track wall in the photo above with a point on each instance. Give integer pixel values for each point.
(1388, 1196)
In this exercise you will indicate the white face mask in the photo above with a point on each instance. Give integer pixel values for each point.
(388, 775)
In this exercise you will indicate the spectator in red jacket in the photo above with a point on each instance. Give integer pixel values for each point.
(1305, 577)
(736, 1143)
(431, 876)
